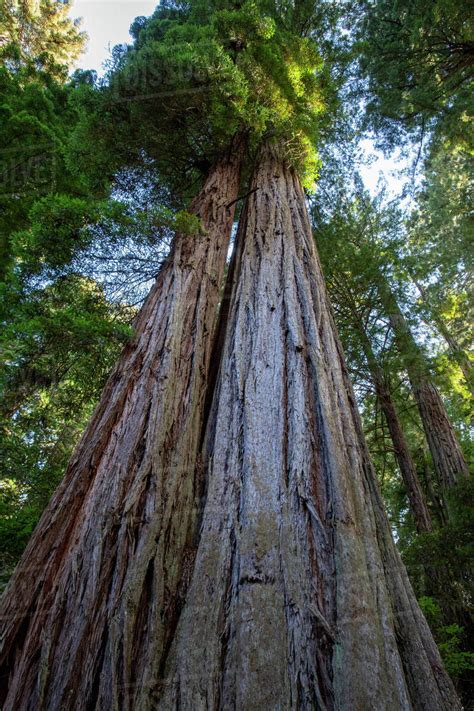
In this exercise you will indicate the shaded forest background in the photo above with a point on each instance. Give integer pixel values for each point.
(94, 181)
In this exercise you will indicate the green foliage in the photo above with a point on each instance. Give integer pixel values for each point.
(57, 348)
(37, 119)
(56, 232)
(62, 227)
(17, 521)
(417, 56)
(449, 638)
(439, 254)
(452, 546)
(456, 660)
(197, 76)
(40, 36)
(441, 226)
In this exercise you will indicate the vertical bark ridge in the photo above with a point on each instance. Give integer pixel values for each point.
(86, 615)
(298, 599)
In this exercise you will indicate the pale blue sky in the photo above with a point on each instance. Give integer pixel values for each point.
(107, 22)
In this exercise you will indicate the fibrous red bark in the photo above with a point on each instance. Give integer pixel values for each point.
(298, 598)
(448, 457)
(93, 602)
(416, 497)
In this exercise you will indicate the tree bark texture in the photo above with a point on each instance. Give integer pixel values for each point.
(298, 598)
(416, 497)
(93, 602)
(405, 462)
(448, 457)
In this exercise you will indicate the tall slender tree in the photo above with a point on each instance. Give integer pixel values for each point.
(448, 457)
(403, 455)
(350, 237)
(369, 228)
(438, 257)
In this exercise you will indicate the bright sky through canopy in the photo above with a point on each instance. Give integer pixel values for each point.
(107, 23)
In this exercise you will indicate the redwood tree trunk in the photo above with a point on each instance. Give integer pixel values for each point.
(91, 606)
(405, 462)
(416, 497)
(448, 458)
(298, 598)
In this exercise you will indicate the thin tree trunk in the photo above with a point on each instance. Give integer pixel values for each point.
(91, 606)
(436, 497)
(448, 458)
(457, 352)
(405, 461)
(298, 598)
(5, 256)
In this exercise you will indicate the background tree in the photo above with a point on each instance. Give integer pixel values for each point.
(437, 257)
(357, 238)
(47, 394)
(40, 35)
(418, 58)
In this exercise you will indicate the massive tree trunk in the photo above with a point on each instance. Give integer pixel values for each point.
(448, 458)
(416, 497)
(298, 598)
(95, 597)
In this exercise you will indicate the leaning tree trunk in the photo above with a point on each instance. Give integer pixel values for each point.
(448, 458)
(95, 597)
(416, 497)
(298, 598)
